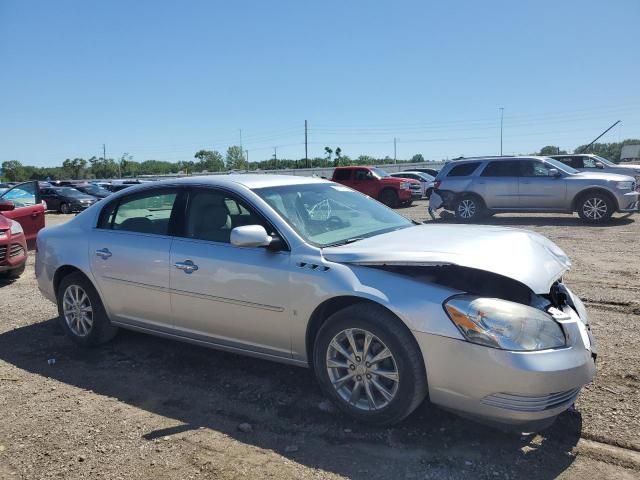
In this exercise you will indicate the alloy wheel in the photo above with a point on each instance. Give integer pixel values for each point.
(595, 208)
(77, 309)
(467, 208)
(362, 369)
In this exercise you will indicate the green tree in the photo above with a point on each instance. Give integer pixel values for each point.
(329, 152)
(75, 167)
(13, 171)
(235, 158)
(417, 158)
(610, 151)
(551, 150)
(209, 160)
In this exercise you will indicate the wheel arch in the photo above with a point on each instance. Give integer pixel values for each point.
(64, 271)
(591, 190)
(330, 306)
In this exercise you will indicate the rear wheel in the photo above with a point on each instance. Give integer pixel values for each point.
(369, 365)
(389, 198)
(595, 208)
(469, 208)
(81, 312)
(65, 208)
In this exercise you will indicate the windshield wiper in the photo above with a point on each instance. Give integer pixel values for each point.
(344, 242)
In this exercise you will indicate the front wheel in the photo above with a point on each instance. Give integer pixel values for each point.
(389, 198)
(81, 312)
(65, 208)
(369, 365)
(595, 208)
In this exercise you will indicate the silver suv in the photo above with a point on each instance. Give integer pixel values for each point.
(481, 186)
(586, 162)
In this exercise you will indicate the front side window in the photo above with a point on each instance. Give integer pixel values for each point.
(589, 162)
(212, 214)
(533, 168)
(145, 212)
(362, 174)
(327, 214)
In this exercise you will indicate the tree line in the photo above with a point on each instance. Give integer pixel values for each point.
(234, 160)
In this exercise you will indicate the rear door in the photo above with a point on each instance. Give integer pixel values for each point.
(498, 184)
(29, 211)
(129, 251)
(539, 189)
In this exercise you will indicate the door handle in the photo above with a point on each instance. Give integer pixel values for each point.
(187, 266)
(103, 253)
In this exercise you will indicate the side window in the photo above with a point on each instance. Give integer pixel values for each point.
(463, 170)
(589, 162)
(534, 168)
(503, 168)
(145, 212)
(22, 195)
(212, 214)
(362, 174)
(342, 174)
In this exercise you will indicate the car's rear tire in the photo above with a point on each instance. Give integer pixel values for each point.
(469, 208)
(65, 208)
(13, 273)
(81, 313)
(389, 198)
(595, 207)
(348, 375)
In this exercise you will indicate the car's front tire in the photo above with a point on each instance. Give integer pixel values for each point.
(389, 198)
(65, 208)
(81, 313)
(595, 208)
(368, 363)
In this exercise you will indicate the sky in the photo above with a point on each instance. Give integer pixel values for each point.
(161, 80)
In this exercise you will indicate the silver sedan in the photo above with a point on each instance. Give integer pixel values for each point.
(311, 273)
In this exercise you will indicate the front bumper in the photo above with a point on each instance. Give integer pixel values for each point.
(13, 253)
(629, 202)
(505, 387)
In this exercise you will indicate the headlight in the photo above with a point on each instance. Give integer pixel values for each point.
(404, 186)
(502, 324)
(624, 185)
(16, 228)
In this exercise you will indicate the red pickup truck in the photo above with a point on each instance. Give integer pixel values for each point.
(376, 183)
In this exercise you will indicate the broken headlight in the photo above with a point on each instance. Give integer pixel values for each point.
(502, 324)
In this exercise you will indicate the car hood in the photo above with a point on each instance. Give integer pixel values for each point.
(5, 223)
(613, 177)
(628, 166)
(524, 256)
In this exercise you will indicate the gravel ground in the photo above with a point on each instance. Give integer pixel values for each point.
(143, 407)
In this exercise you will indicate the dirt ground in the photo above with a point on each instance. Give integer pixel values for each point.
(147, 408)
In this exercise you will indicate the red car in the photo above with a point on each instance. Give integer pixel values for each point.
(21, 218)
(376, 183)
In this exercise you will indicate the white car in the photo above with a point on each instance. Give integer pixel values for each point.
(594, 163)
(426, 180)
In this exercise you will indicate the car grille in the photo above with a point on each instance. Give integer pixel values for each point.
(15, 250)
(531, 403)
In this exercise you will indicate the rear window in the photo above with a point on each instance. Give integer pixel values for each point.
(342, 174)
(463, 170)
(502, 168)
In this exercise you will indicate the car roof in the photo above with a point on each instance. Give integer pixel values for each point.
(248, 180)
(498, 158)
(573, 155)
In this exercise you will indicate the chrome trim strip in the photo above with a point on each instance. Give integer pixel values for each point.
(203, 296)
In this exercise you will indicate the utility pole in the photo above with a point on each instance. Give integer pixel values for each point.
(586, 149)
(246, 153)
(275, 156)
(501, 122)
(240, 139)
(395, 160)
(306, 145)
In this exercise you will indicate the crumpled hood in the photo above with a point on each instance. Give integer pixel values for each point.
(521, 255)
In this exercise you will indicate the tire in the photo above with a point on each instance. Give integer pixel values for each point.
(406, 392)
(98, 329)
(65, 209)
(468, 208)
(13, 274)
(389, 198)
(595, 207)
(428, 193)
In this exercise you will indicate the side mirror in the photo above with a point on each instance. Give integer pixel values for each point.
(599, 165)
(250, 236)
(553, 172)
(6, 206)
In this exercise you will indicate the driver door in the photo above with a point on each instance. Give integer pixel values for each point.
(231, 296)
(29, 211)
(364, 182)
